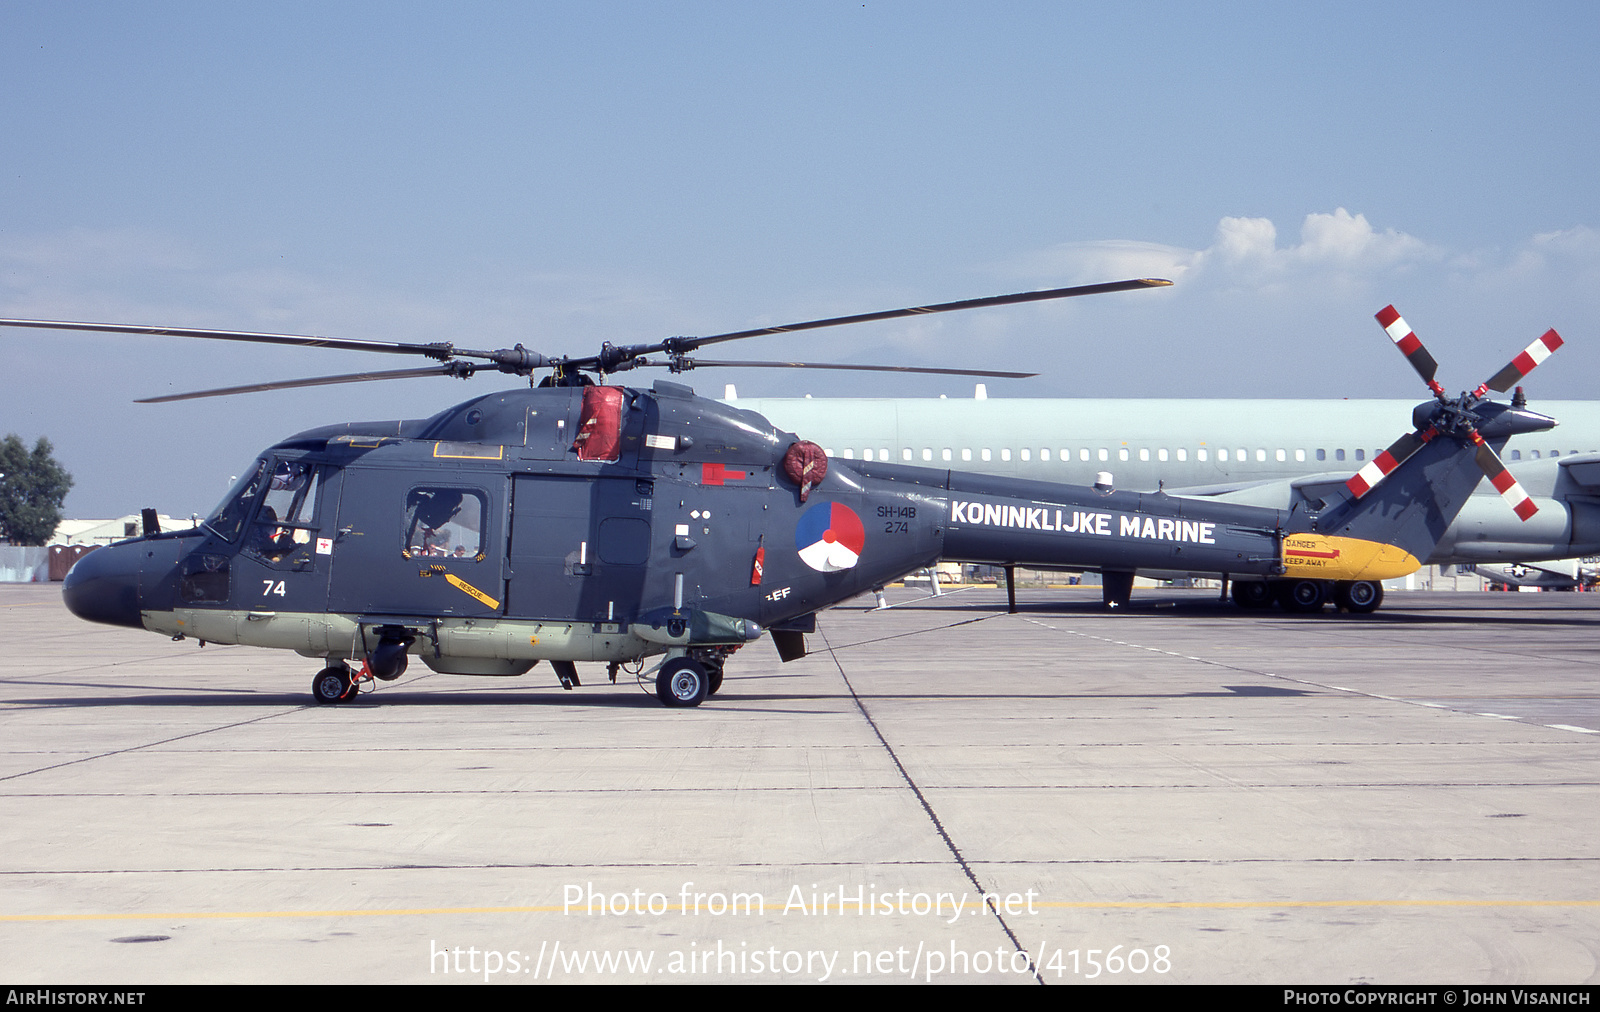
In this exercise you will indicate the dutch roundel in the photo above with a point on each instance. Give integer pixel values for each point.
(829, 537)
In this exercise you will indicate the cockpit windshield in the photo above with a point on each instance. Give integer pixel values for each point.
(286, 492)
(229, 519)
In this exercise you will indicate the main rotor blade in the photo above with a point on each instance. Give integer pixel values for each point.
(1509, 488)
(392, 347)
(1411, 347)
(1378, 468)
(701, 362)
(460, 369)
(1523, 364)
(683, 344)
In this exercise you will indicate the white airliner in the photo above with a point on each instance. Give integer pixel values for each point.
(1242, 450)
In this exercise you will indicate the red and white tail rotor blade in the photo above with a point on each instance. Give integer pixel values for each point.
(1523, 364)
(1378, 468)
(1508, 487)
(1410, 346)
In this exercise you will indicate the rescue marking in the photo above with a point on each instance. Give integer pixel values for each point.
(467, 588)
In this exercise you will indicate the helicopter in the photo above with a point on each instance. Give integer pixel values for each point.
(580, 522)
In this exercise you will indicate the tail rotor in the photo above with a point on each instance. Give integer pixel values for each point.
(1461, 417)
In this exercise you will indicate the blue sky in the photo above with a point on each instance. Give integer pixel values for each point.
(564, 174)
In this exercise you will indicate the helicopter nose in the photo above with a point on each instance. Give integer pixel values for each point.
(103, 586)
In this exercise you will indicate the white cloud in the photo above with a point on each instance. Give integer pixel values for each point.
(1245, 254)
(1245, 238)
(1344, 238)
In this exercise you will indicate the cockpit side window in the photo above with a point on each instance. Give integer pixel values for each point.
(289, 510)
(444, 523)
(292, 493)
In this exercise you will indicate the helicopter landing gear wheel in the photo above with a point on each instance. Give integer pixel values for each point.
(1303, 597)
(332, 684)
(683, 681)
(1252, 593)
(714, 677)
(1359, 597)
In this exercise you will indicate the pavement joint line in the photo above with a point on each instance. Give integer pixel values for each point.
(927, 807)
(151, 744)
(677, 907)
(1307, 681)
(913, 863)
(916, 632)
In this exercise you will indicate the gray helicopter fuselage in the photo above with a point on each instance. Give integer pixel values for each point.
(528, 525)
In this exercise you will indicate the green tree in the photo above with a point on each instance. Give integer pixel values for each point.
(32, 488)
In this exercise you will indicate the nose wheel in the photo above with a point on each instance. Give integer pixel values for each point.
(333, 684)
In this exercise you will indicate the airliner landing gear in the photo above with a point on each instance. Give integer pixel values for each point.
(1306, 597)
(1303, 597)
(1252, 593)
(1359, 597)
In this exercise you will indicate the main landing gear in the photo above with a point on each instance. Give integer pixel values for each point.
(688, 680)
(683, 681)
(1307, 597)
